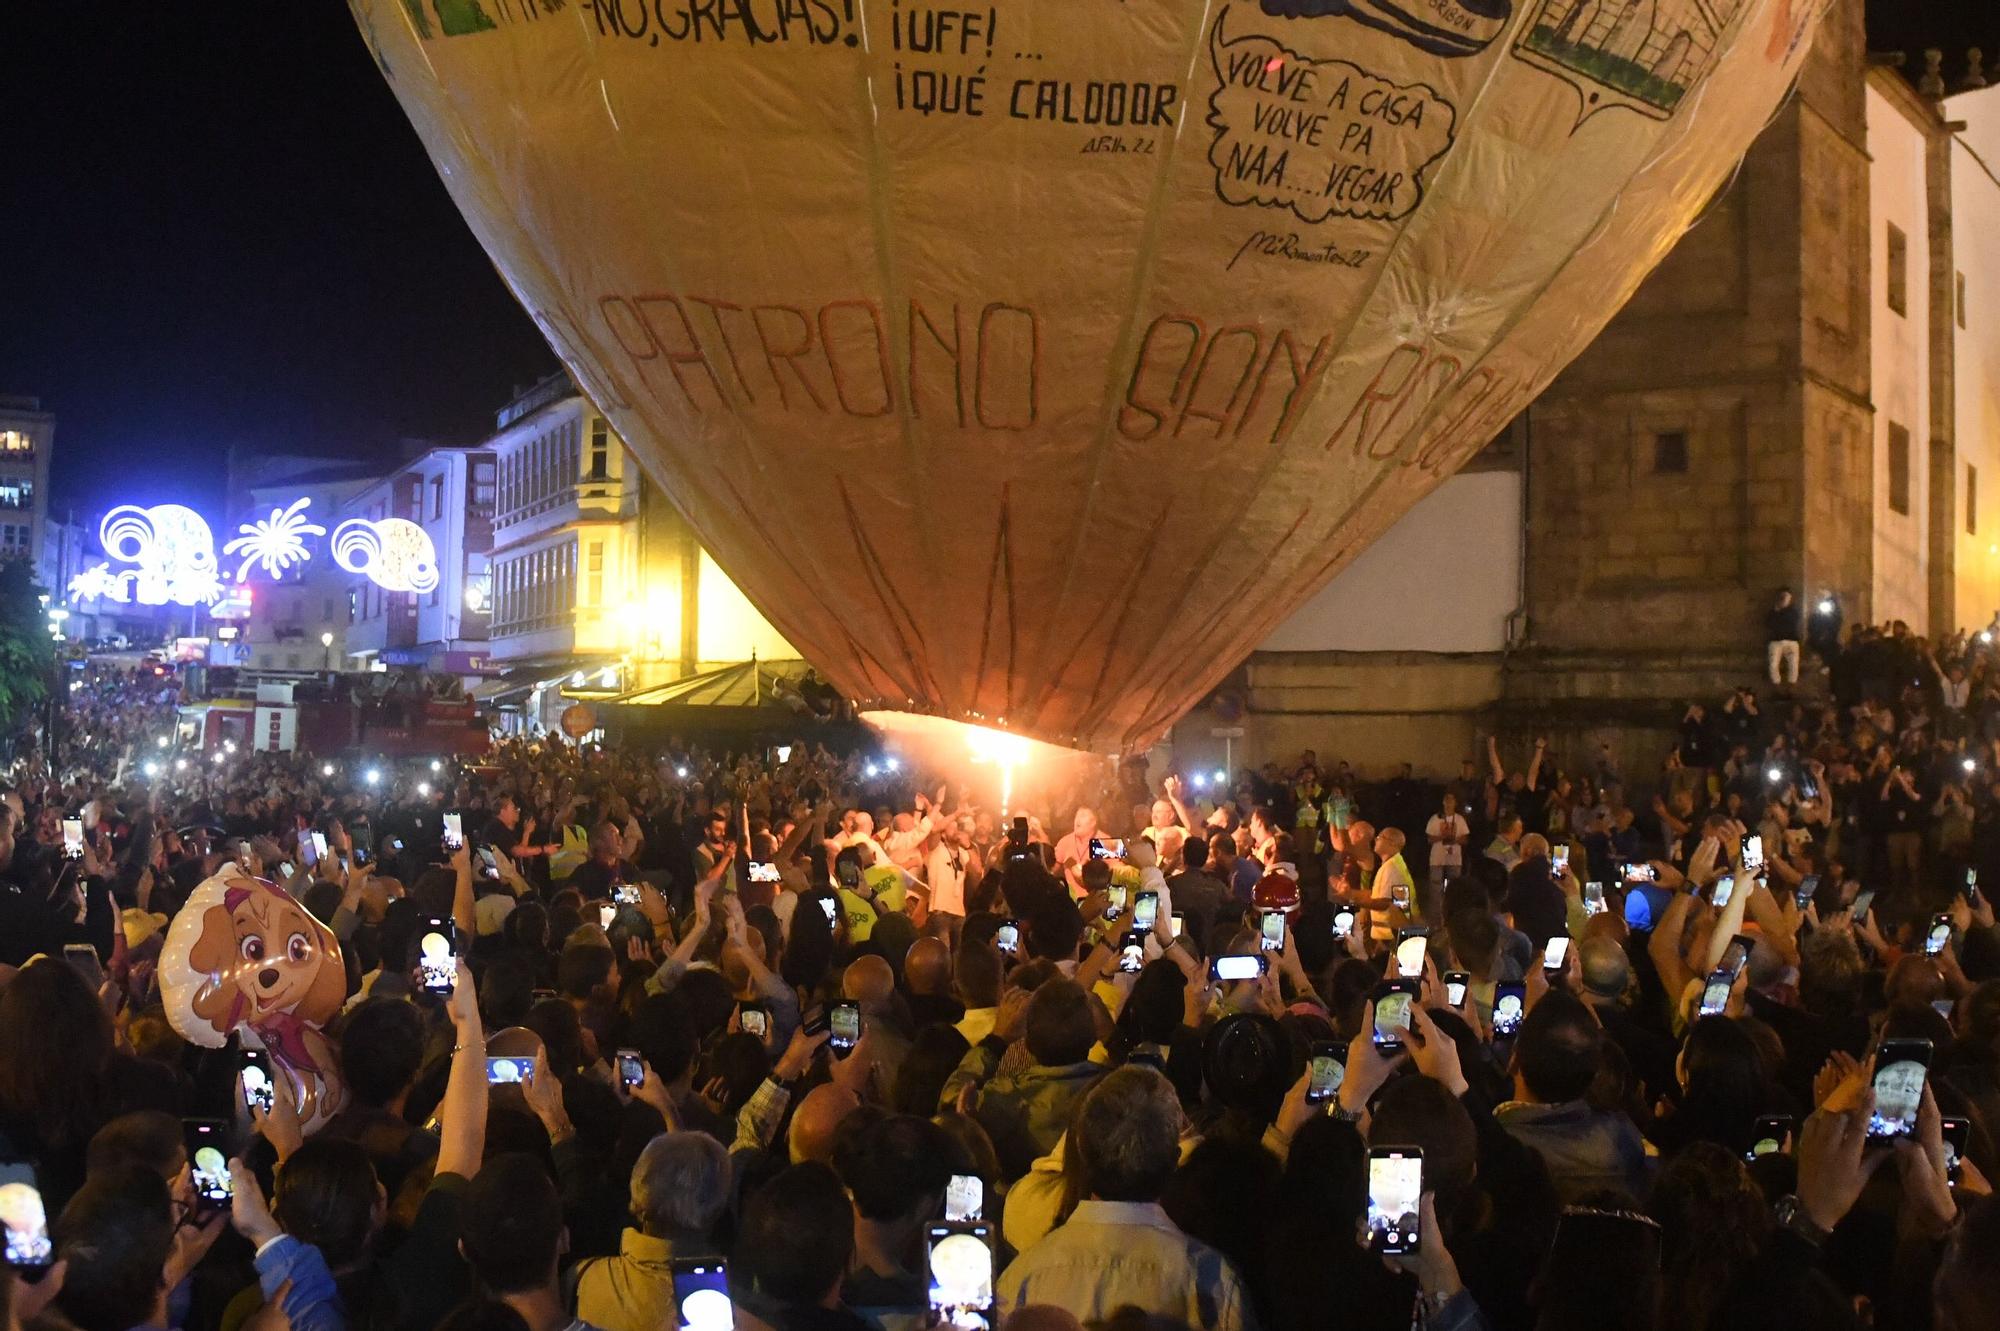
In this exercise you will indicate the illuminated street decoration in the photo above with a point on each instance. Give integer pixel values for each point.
(173, 549)
(393, 553)
(276, 542)
(97, 582)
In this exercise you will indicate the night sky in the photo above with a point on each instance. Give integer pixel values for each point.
(219, 230)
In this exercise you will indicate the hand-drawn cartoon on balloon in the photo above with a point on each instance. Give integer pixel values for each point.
(1441, 27)
(1644, 55)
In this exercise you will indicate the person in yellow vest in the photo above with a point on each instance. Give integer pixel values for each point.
(868, 890)
(1392, 897)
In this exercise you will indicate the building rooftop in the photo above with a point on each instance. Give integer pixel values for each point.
(1964, 33)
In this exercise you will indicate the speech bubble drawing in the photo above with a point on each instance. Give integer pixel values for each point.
(1440, 27)
(1323, 138)
(1642, 57)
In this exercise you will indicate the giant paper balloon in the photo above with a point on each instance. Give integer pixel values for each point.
(243, 955)
(1027, 363)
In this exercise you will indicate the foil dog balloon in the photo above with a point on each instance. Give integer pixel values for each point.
(243, 954)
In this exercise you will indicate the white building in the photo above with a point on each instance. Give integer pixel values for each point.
(449, 493)
(27, 437)
(298, 620)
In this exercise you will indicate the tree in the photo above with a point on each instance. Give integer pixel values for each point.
(26, 652)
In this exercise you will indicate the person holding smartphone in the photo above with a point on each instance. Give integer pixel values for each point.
(680, 1192)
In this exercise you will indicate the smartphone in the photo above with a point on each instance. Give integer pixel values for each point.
(511, 1071)
(1145, 911)
(1455, 985)
(1768, 1137)
(1343, 922)
(541, 995)
(1725, 888)
(964, 1198)
(1236, 968)
(762, 871)
(437, 956)
(1271, 931)
(73, 838)
(1943, 1007)
(1510, 1002)
(29, 1248)
(831, 908)
(1641, 873)
(631, 1068)
(1008, 937)
(489, 864)
(83, 959)
(1900, 1069)
(1411, 944)
(625, 894)
(207, 1142)
(253, 1076)
(1862, 901)
(1593, 899)
(847, 874)
(1737, 955)
(1957, 1136)
(606, 915)
(1935, 939)
(1132, 952)
(1972, 887)
(1326, 1071)
(1753, 854)
(701, 1294)
(754, 1019)
(454, 831)
(1175, 923)
(1556, 955)
(1395, 1192)
(1715, 993)
(845, 1025)
(1559, 860)
(959, 1258)
(1393, 1000)
(285, 870)
(1106, 849)
(1114, 901)
(1808, 889)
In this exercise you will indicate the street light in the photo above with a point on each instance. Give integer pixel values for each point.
(326, 644)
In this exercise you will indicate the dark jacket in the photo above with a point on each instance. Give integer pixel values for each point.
(1586, 1150)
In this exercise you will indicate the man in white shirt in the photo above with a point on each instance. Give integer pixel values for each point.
(948, 865)
(1119, 1249)
(1448, 832)
(1073, 851)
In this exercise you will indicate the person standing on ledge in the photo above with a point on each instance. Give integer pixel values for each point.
(1783, 628)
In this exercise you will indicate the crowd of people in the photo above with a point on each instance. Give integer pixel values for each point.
(644, 1040)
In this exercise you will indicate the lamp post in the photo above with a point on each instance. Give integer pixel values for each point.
(326, 642)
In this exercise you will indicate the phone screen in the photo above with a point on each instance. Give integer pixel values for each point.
(83, 959)
(454, 831)
(255, 1079)
(1392, 1014)
(1556, 954)
(964, 1198)
(1271, 931)
(1236, 968)
(1862, 901)
(762, 872)
(1808, 886)
(1327, 1074)
(1939, 935)
(1509, 1002)
(845, 1025)
(1593, 898)
(961, 1275)
(207, 1143)
(1455, 985)
(828, 905)
(1641, 873)
(1175, 923)
(1900, 1069)
(1395, 1193)
(1559, 860)
(754, 1021)
(1769, 1136)
(1008, 937)
(510, 1071)
(631, 1067)
(1753, 854)
(1715, 993)
(437, 957)
(73, 837)
(1410, 955)
(607, 915)
(1957, 1135)
(625, 894)
(1725, 888)
(701, 1293)
(1132, 953)
(1146, 910)
(1114, 901)
(25, 1217)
